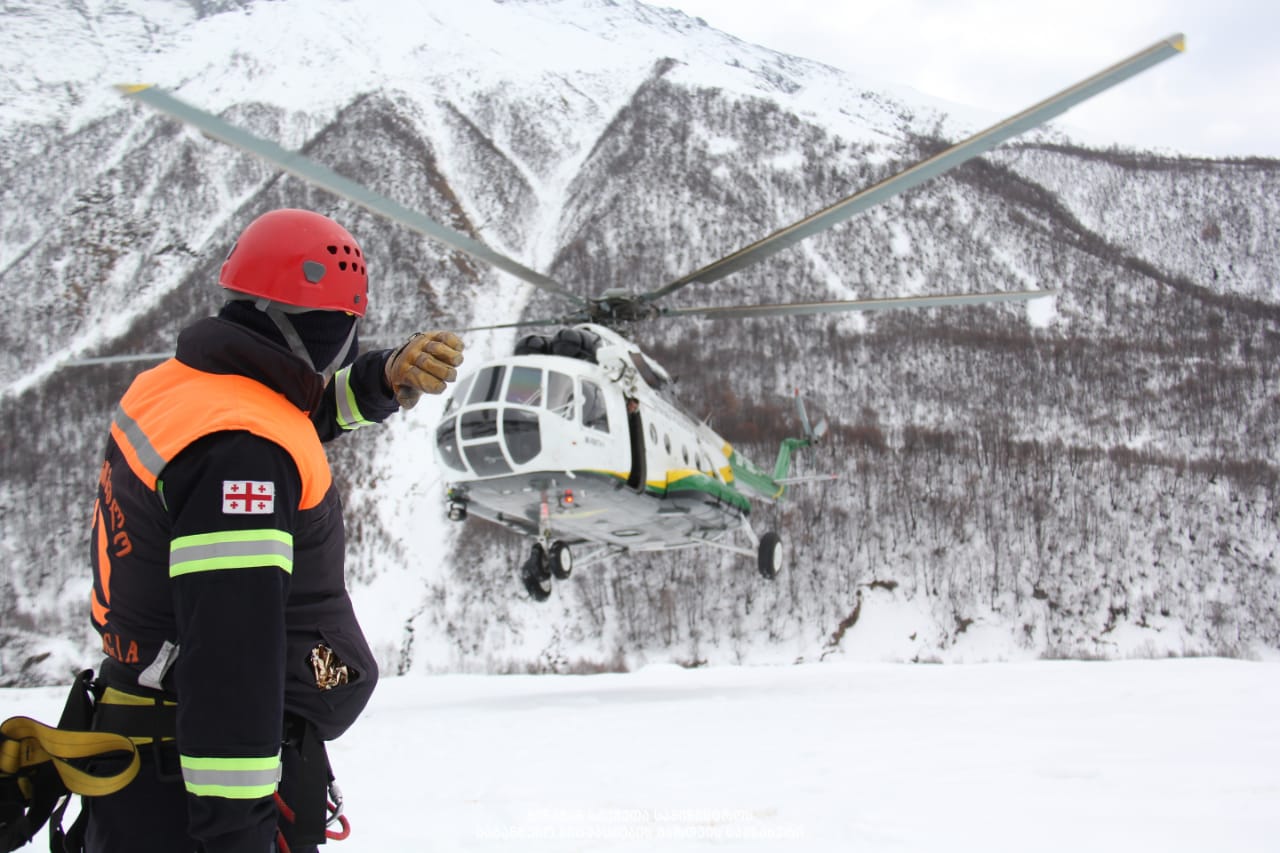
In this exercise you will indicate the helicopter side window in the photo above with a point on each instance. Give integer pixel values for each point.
(455, 401)
(488, 383)
(525, 386)
(560, 397)
(653, 435)
(594, 412)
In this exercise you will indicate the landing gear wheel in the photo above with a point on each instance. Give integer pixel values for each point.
(535, 575)
(561, 560)
(771, 555)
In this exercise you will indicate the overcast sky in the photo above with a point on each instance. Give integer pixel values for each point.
(1220, 98)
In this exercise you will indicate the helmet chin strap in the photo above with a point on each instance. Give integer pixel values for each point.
(279, 315)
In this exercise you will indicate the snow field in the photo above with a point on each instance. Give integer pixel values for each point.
(1165, 755)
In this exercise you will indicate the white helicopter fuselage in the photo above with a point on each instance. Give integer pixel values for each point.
(580, 451)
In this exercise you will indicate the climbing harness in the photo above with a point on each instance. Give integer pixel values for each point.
(42, 766)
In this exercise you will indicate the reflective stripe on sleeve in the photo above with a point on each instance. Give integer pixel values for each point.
(230, 549)
(349, 416)
(231, 778)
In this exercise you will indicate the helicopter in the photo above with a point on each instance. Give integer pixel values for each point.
(577, 440)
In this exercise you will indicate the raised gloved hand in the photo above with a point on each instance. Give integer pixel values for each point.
(426, 363)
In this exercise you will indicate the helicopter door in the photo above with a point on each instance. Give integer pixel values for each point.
(635, 426)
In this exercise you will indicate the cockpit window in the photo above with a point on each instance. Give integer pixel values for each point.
(560, 397)
(525, 386)
(594, 412)
(488, 383)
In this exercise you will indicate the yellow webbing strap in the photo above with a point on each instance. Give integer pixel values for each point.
(25, 743)
(112, 696)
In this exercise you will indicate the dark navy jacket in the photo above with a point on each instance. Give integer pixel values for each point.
(218, 560)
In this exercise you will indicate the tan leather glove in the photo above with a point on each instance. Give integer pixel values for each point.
(426, 363)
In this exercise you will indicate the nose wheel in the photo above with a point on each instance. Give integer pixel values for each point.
(560, 560)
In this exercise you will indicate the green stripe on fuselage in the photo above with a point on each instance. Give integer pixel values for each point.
(690, 482)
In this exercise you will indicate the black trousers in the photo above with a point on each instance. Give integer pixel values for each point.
(149, 815)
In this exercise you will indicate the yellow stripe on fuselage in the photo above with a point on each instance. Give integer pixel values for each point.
(672, 476)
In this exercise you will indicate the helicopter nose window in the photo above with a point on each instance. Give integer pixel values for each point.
(594, 412)
(479, 423)
(520, 431)
(447, 442)
(525, 386)
(487, 384)
(486, 459)
(560, 397)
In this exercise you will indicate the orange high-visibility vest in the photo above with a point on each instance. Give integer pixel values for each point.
(172, 405)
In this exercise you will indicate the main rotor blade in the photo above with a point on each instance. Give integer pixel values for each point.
(930, 168)
(519, 324)
(885, 304)
(117, 359)
(396, 340)
(325, 178)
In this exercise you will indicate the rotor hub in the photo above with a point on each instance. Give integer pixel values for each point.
(616, 306)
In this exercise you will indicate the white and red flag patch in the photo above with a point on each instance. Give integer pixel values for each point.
(248, 497)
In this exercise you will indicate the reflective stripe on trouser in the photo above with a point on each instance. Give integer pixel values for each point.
(230, 549)
(231, 778)
(349, 415)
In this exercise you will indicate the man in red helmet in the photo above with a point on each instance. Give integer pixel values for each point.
(232, 649)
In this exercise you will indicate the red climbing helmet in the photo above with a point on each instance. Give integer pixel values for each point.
(298, 258)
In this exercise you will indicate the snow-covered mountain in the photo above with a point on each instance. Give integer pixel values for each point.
(1094, 479)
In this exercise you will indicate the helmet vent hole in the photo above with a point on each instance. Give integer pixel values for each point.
(342, 265)
(333, 250)
(346, 249)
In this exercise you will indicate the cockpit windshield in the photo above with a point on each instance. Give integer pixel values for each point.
(488, 384)
(525, 387)
(460, 394)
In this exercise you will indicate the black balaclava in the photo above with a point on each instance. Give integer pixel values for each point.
(325, 339)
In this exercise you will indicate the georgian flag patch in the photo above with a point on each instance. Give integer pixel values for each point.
(248, 497)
